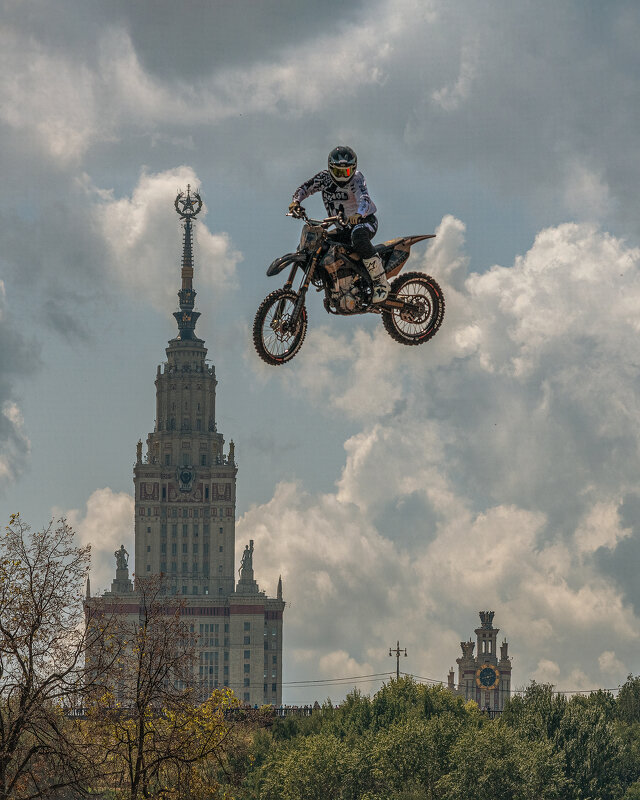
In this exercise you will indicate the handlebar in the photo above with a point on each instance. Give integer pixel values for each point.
(338, 220)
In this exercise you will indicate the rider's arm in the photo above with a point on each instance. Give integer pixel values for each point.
(366, 205)
(311, 186)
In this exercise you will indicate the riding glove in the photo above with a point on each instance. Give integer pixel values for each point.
(354, 219)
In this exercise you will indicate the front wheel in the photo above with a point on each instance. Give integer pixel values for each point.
(423, 310)
(275, 337)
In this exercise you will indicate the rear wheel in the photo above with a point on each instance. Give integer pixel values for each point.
(423, 309)
(275, 337)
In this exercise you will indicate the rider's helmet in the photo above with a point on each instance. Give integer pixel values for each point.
(342, 164)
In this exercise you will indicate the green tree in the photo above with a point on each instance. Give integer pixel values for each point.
(628, 701)
(314, 768)
(593, 748)
(537, 712)
(493, 762)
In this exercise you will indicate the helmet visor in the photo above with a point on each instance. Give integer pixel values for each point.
(341, 172)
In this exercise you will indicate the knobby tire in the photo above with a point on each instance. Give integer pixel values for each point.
(278, 347)
(430, 296)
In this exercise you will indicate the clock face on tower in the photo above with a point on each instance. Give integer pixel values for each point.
(487, 677)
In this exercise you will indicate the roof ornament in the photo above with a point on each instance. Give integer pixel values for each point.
(188, 206)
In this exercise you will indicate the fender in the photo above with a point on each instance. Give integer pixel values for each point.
(280, 263)
(395, 252)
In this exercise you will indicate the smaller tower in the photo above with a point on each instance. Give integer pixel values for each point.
(484, 677)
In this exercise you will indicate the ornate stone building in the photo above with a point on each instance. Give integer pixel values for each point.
(484, 678)
(185, 492)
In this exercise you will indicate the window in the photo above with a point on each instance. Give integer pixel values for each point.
(184, 566)
(205, 548)
(247, 668)
(247, 682)
(275, 659)
(174, 530)
(195, 528)
(167, 459)
(174, 566)
(184, 530)
(247, 696)
(221, 548)
(247, 626)
(247, 640)
(195, 547)
(184, 547)
(206, 493)
(163, 566)
(226, 627)
(164, 492)
(148, 567)
(194, 590)
(174, 548)
(163, 547)
(203, 458)
(274, 687)
(221, 530)
(148, 526)
(184, 590)
(148, 548)
(247, 653)
(163, 527)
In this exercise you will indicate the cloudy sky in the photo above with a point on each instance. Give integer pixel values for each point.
(397, 490)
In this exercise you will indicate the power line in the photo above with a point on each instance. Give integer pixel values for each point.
(347, 678)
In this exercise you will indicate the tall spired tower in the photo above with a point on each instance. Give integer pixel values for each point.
(185, 492)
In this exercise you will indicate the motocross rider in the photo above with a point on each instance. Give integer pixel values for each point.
(344, 191)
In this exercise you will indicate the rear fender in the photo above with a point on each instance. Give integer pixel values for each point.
(280, 263)
(395, 252)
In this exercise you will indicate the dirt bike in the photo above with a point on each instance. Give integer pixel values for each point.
(411, 314)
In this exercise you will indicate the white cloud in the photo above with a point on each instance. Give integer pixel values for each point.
(15, 446)
(48, 97)
(490, 468)
(139, 233)
(611, 666)
(105, 524)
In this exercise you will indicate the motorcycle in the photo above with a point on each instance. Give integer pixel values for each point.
(411, 314)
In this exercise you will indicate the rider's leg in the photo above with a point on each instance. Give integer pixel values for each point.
(361, 236)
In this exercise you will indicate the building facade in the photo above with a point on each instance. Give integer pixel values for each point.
(485, 677)
(185, 495)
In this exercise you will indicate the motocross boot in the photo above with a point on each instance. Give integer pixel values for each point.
(376, 272)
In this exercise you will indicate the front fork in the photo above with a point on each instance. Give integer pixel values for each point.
(302, 291)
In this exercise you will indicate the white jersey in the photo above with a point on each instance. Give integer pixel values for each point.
(349, 198)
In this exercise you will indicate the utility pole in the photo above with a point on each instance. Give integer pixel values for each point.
(397, 653)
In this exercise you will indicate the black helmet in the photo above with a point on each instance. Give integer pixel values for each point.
(342, 164)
